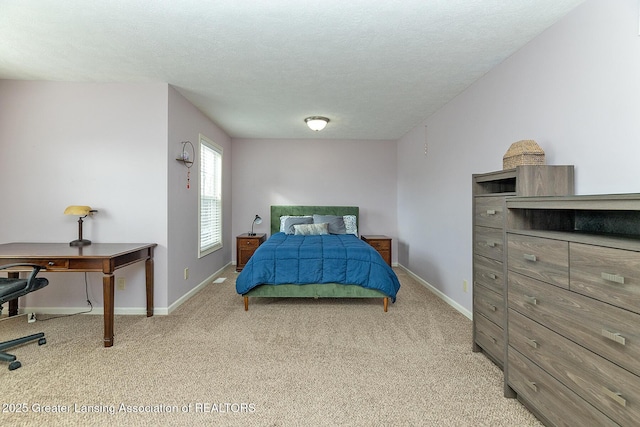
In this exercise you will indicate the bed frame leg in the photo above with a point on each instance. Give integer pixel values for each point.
(385, 302)
(246, 303)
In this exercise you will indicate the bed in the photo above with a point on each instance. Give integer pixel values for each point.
(317, 264)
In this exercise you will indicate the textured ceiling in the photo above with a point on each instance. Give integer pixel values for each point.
(257, 68)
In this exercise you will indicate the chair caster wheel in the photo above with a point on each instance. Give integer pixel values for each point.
(42, 341)
(14, 365)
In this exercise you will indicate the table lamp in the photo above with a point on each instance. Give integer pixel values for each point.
(83, 212)
(256, 220)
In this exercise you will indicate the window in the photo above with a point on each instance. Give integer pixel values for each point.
(210, 218)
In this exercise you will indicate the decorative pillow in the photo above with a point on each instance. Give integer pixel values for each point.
(336, 223)
(291, 221)
(283, 218)
(350, 224)
(311, 229)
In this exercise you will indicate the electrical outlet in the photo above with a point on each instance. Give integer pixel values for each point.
(122, 284)
(465, 286)
(186, 273)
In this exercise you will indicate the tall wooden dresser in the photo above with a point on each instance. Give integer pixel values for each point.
(490, 192)
(573, 322)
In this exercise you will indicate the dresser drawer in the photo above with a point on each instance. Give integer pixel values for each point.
(607, 330)
(558, 404)
(380, 245)
(248, 243)
(490, 337)
(606, 274)
(489, 304)
(488, 272)
(52, 264)
(610, 388)
(489, 242)
(489, 211)
(543, 259)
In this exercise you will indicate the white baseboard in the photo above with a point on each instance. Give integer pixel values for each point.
(439, 293)
(85, 310)
(193, 291)
(161, 311)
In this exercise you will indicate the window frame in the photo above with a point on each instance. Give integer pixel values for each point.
(207, 144)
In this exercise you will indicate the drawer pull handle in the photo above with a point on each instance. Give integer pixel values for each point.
(530, 257)
(51, 263)
(493, 340)
(614, 336)
(531, 385)
(612, 277)
(491, 244)
(616, 396)
(492, 307)
(532, 343)
(492, 276)
(531, 300)
(491, 212)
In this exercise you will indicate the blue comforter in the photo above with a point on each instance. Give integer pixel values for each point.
(342, 258)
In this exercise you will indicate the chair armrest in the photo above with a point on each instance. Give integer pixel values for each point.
(35, 268)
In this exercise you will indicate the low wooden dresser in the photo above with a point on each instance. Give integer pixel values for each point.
(573, 315)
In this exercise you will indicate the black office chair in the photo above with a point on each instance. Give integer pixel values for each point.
(11, 289)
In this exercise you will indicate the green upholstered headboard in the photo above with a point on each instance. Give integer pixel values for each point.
(279, 210)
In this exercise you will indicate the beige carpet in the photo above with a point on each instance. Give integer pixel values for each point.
(283, 363)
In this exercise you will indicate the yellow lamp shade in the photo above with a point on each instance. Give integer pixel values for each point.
(77, 210)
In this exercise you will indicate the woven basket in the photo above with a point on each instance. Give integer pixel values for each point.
(525, 152)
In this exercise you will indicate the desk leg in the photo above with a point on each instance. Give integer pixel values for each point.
(13, 307)
(108, 282)
(13, 304)
(149, 282)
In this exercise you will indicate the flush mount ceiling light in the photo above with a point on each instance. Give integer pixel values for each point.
(316, 122)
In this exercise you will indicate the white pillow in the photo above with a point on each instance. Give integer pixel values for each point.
(311, 229)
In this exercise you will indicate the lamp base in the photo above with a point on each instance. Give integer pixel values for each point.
(251, 234)
(80, 242)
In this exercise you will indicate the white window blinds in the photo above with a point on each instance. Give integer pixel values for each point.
(210, 221)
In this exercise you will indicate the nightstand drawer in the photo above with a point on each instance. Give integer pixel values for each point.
(380, 245)
(606, 274)
(248, 243)
(542, 259)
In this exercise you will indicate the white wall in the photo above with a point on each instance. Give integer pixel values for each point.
(315, 172)
(574, 89)
(102, 145)
(113, 147)
(186, 122)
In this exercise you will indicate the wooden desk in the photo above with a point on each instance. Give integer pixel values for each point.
(97, 257)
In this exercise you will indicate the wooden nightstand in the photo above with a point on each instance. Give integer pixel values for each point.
(381, 243)
(245, 247)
